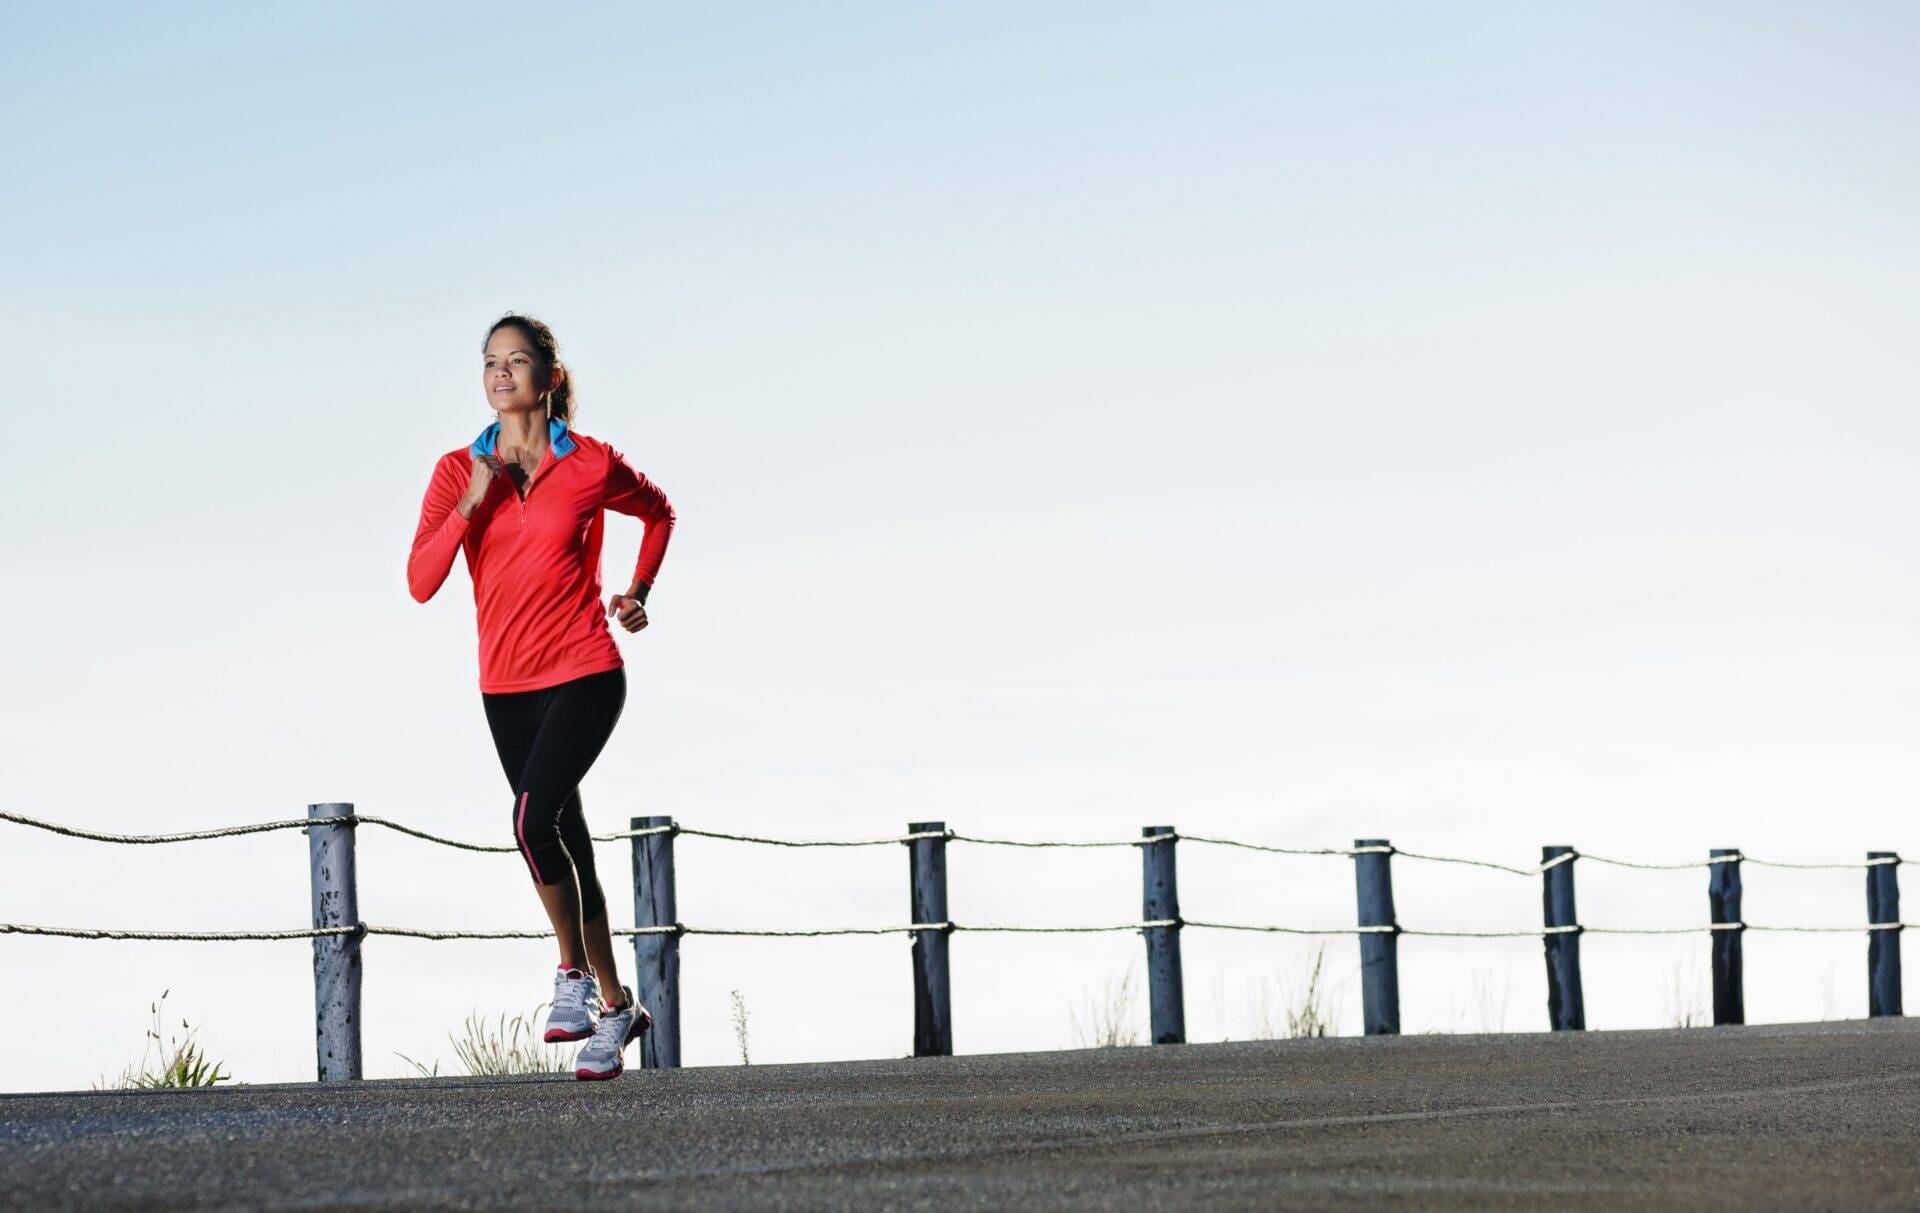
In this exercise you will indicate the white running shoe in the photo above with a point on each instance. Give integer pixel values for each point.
(605, 1054)
(576, 1005)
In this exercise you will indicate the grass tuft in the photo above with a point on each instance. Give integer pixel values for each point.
(740, 1025)
(1687, 998)
(1109, 1018)
(511, 1046)
(179, 1061)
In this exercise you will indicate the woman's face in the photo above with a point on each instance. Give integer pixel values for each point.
(512, 373)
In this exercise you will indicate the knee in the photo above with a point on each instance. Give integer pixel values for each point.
(533, 823)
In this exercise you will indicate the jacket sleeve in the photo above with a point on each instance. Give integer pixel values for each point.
(439, 534)
(629, 492)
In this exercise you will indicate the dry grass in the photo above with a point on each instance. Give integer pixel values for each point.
(1310, 1012)
(1110, 1017)
(513, 1046)
(740, 1025)
(1688, 1000)
(1291, 1005)
(1491, 999)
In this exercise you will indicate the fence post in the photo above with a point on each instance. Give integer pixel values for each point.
(336, 958)
(1566, 1004)
(927, 899)
(1723, 898)
(1160, 900)
(1883, 947)
(656, 955)
(1379, 950)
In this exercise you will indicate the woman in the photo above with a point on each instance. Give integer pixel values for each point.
(524, 502)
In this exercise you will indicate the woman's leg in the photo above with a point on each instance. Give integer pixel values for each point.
(549, 822)
(515, 718)
(596, 935)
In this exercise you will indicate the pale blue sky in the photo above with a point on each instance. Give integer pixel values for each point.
(1479, 425)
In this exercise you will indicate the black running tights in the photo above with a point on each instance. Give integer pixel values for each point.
(547, 739)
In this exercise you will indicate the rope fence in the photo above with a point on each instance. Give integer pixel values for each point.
(15, 928)
(337, 930)
(301, 823)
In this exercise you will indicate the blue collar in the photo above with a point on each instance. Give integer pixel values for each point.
(557, 437)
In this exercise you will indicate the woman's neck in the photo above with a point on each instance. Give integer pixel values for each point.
(525, 433)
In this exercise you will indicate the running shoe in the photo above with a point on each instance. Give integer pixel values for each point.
(605, 1055)
(576, 1005)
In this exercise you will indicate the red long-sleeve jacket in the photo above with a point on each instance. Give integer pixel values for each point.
(535, 562)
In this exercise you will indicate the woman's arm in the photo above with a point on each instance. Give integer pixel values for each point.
(437, 538)
(629, 492)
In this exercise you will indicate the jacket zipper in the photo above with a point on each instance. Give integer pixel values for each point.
(531, 481)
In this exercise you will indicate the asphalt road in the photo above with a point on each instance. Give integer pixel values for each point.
(1822, 1116)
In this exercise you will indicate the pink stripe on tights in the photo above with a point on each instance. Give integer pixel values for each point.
(520, 829)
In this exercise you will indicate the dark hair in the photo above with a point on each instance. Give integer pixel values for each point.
(548, 348)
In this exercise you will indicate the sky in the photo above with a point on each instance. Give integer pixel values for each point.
(1480, 426)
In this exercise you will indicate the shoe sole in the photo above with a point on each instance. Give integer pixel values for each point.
(641, 1023)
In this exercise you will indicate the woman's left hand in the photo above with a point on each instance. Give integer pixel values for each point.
(633, 614)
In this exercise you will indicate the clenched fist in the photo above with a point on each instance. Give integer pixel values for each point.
(633, 612)
(485, 468)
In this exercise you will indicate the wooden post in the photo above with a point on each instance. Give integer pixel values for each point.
(1566, 1004)
(656, 955)
(1379, 950)
(1883, 947)
(932, 996)
(336, 958)
(1723, 898)
(1160, 900)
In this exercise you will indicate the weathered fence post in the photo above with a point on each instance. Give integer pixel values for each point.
(1883, 947)
(336, 958)
(1379, 950)
(1160, 900)
(1566, 1005)
(932, 997)
(1723, 898)
(656, 955)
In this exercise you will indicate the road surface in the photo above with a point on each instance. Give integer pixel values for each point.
(1818, 1116)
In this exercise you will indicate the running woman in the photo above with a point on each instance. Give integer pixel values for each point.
(524, 501)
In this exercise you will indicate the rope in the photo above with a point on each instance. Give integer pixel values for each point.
(302, 823)
(11, 928)
(678, 929)
(1781, 863)
(1267, 930)
(1015, 842)
(1121, 926)
(1486, 863)
(1654, 867)
(368, 819)
(810, 842)
(1254, 846)
(675, 929)
(1741, 857)
(95, 836)
(1872, 926)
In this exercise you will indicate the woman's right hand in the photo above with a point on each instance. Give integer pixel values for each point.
(485, 468)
